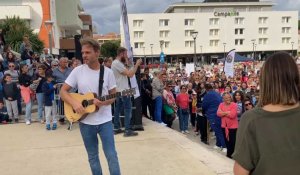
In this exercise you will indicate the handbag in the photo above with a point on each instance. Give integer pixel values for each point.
(33, 86)
(168, 110)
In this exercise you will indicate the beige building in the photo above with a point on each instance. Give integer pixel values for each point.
(248, 27)
(107, 37)
(68, 19)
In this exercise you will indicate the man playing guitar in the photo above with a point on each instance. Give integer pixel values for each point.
(86, 79)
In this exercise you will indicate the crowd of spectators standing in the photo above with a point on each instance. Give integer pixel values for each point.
(31, 77)
(204, 96)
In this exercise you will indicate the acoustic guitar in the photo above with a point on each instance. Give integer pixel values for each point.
(87, 102)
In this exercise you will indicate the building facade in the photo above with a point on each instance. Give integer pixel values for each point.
(252, 28)
(107, 37)
(67, 16)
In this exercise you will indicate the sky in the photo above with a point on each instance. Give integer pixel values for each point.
(106, 14)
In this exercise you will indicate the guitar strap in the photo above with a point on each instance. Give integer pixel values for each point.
(101, 80)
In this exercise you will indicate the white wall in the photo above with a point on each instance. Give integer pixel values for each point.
(226, 26)
(24, 12)
(37, 14)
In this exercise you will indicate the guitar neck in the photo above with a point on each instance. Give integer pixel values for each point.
(108, 97)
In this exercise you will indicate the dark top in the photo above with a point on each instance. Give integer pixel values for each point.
(39, 88)
(200, 97)
(210, 103)
(10, 90)
(269, 142)
(3, 111)
(25, 80)
(48, 91)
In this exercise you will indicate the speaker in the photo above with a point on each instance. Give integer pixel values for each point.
(78, 54)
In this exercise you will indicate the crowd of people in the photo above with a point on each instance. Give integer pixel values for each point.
(28, 78)
(204, 96)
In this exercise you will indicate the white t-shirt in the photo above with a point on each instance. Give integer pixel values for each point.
(122, 81)
(87, 80)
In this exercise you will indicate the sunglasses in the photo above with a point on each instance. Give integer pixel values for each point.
(248, 104)
(11, 66)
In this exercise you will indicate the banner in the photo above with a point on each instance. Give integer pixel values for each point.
(229, 64)
(124, 18)
(189, 68)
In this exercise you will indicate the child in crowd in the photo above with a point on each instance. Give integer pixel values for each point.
(48, 90)
(3, 114)
(10, 92)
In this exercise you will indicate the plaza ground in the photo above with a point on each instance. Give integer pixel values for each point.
(156, 151)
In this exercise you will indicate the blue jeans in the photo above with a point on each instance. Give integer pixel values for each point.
(40, 101)
(90, 139)
(158, 109)
(28, 110)
(122, 103)
(183, 115)
(215, 124)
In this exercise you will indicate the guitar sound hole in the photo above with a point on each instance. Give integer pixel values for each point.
(85, 103)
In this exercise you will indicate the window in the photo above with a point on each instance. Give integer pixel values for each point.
(263, 30)
(286, 30)
(164, 33)
(188, 33)
(214, 43)
(137, 23)
(189, 22)
(189, 43)
(163, 22)
(138, 45)
(286, 40)
(213, 21)
(239, 42)
(262, 41)
(138, 34)
(213, 32)
(239, 31)
(286, 19)
(167, 44)
(262, 20)
(239, 21)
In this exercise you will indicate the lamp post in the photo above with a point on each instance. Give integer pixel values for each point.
(48, 25)
(161, 42)
(151, 45)
(194, 35)
(292, 48)
(253, 45)
(201, 55)
(144, 56)
(224, 44)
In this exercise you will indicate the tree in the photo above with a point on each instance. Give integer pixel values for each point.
(299, 25)
(14, 29)
(109, 49)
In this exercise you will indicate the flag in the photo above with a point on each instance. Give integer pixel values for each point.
(124, 18)
(229, 64)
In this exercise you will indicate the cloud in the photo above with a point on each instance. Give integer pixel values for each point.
(107, 13)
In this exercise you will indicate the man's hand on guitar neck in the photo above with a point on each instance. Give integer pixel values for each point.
(99, 103)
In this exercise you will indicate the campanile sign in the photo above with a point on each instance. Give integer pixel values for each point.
(227, 14)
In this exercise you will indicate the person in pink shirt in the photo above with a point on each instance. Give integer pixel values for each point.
(182, 101)
(228, 113)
